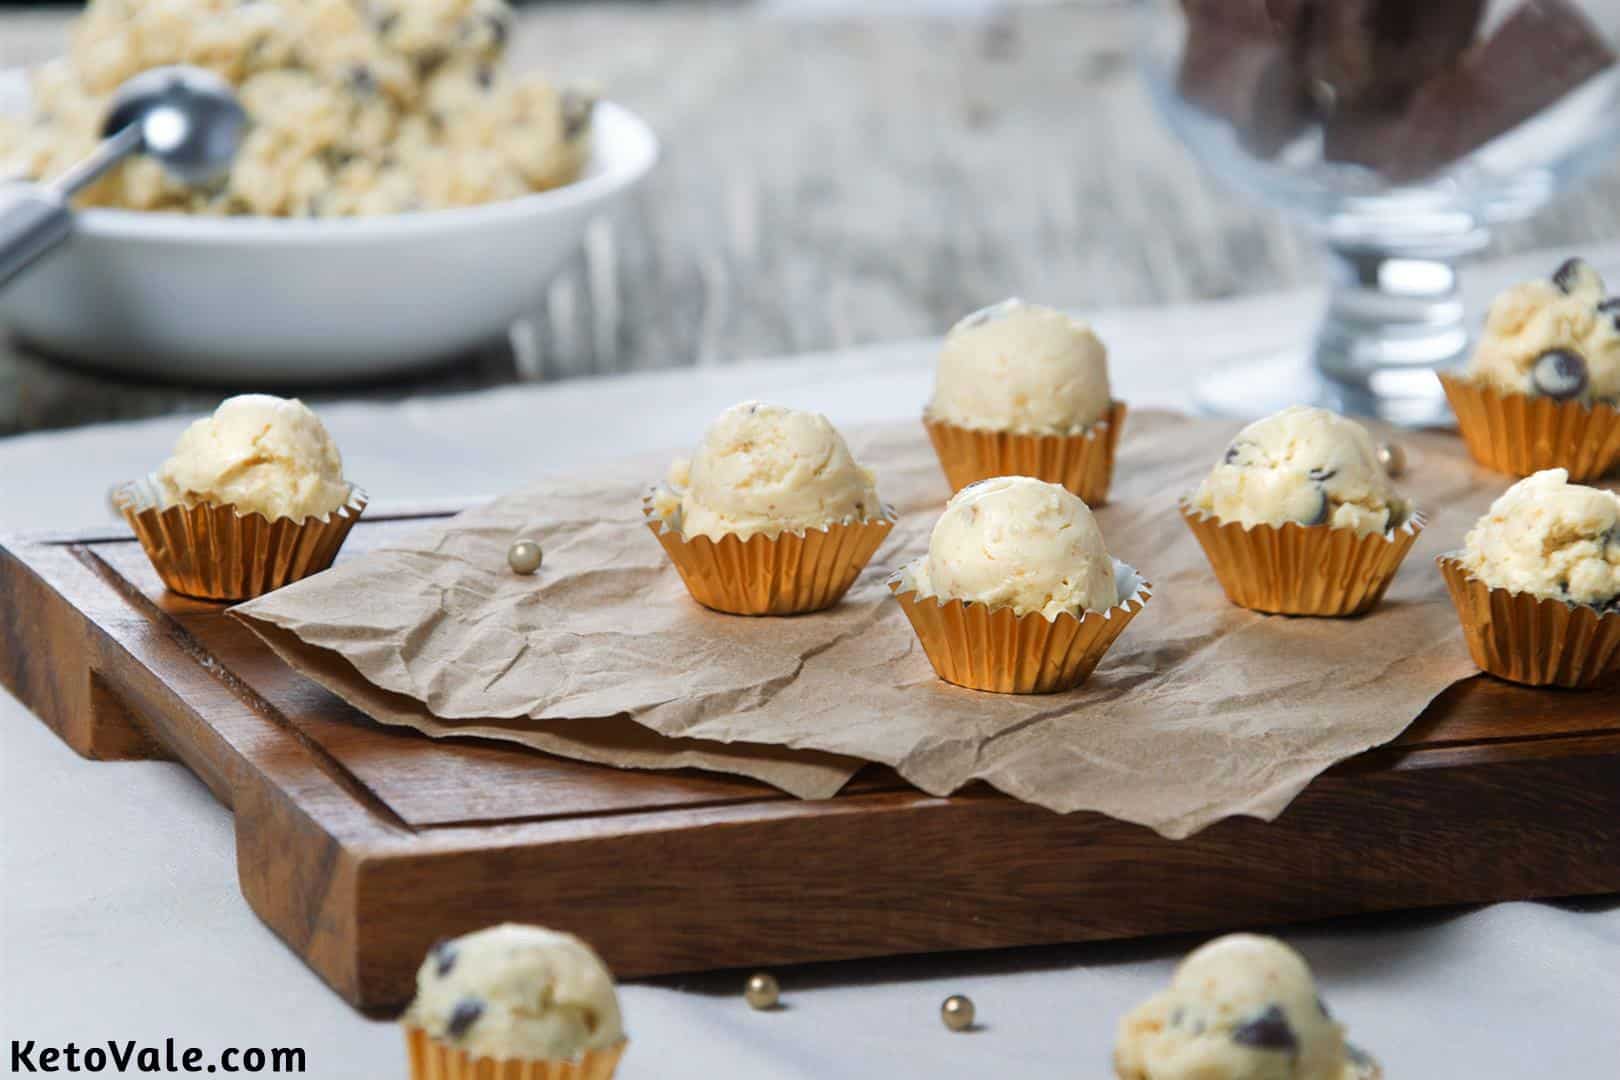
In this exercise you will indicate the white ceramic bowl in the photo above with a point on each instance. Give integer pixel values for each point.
(266, 300)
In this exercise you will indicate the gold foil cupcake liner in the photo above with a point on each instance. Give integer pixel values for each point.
(212, 552)
(433, 1060)
(993, 649)
(1083, 463)
(1297, 569)
(788, 574)
(1519, 434)
(1532, 640)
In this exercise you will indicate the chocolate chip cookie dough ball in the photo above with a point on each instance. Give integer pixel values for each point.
(1242, 1007)
(514, 993)
(1537, 584)
(1303, 465)
(1556, 338)
(1022, 390)
(1022, 368)
(1021, 543)
(1299, 518)
(764, 468)
(1552, 539)
(772, 515)
(1017, 593)
(1542, 389)
(258, 454)
(252, 498)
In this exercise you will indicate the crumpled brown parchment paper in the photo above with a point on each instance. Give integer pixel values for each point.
(1201, 711)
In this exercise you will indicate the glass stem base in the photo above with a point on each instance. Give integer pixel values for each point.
(1394, 317)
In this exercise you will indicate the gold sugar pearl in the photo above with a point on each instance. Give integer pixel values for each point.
(762, 991)
(957, 1012)
(524, 556)
(1392, 456)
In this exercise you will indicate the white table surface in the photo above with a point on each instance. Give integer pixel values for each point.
(120, 916)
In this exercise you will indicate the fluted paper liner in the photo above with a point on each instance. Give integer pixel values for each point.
(1298, 569)
(1083, 463)
(434, 1060)
(983, 648)
(789, 574)
(1519, 434)
(1532, 640)
(212, 552)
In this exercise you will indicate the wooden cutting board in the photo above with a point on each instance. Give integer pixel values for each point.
(361, 845)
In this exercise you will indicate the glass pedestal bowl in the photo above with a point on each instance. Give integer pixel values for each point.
(1395, 194)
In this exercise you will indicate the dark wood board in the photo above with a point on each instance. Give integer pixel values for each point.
(361, 845)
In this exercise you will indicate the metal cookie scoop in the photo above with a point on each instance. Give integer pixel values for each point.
(185, 117)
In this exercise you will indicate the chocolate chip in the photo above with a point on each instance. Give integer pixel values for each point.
(1568, 274)
(1322, 475)
(385, 24)
(499, 30)
(576, 112)
(1611, 308)
(429, 60)
(1268, 1031)
(1559, 374)
(1238, 453)
(444, 957)
(1323, 510)
(464, 1016)
(486, 77)
(360, 80)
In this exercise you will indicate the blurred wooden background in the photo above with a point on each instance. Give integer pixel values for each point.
(833, 176)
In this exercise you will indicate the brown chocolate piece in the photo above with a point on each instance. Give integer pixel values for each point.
(1365, 55)
(463, 1017)
(1362, 138)
(1284, 20)
(1544, 50)
(1247, 78)
(1268, 1031)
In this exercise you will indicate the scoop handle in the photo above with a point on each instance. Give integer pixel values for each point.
(33, 220)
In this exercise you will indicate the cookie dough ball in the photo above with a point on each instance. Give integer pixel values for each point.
(1017, 542)
(1558, 338)
(1022, 368)
(261, 454)
(1304, 465)
(517, 992)
(1550, 538)
(765, 469)
(1242, 1007)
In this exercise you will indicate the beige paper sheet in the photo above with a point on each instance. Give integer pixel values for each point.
(1201, 711)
